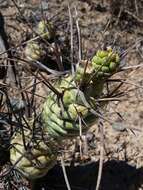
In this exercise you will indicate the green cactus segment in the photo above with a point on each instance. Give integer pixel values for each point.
(57, 123)
(34, 52)
(105, 63)
(64, 114)
(35, 161)
(45, 29)
(82, 75)
(61, 118)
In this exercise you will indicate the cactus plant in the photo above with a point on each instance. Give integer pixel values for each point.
(61, 113)
(61, 118)
(36, 50)
(34, 160)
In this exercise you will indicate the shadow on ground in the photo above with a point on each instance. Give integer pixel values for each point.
(117, 175)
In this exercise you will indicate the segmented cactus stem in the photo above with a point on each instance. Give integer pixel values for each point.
(63, 120)
(60, 117)
(34, 160)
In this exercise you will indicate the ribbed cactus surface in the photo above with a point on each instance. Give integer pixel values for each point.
(61, 116)
(34, 52)
(34, 160)
(105, 62)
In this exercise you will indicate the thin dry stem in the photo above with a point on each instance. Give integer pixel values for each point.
(71, 37)
(100, 125)
(79, 38)
(65, 174)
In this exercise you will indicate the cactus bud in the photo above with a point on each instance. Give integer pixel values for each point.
(107, 60)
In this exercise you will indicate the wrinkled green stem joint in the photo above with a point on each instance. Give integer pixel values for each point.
(34, 50)
(63, 117)
(105, 63)
(34, 160)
